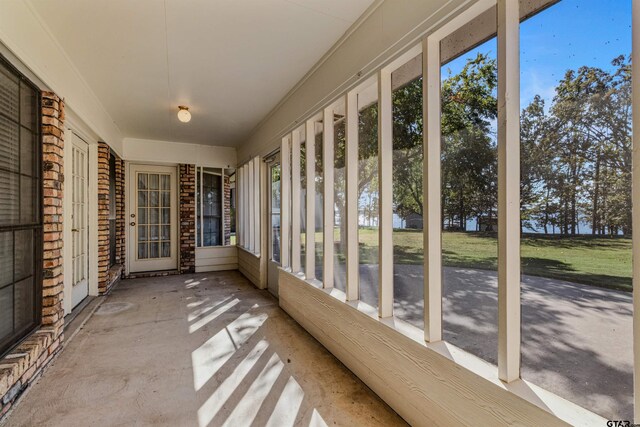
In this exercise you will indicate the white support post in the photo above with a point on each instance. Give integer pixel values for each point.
(250, 210)
(240, 213)
(385, 179)
(295, 202)
(247, 215)
(635, 185)
(351, 197)
(222, 197)
(310, 241)
(328, 201)
(431, 190)
(508, 190)
(238, 207)
(257, 218)
(285, 201)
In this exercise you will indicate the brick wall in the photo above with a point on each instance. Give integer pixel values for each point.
(187, 219)
(120, 213)
(25, 362)
(108, 275)
(103, 217)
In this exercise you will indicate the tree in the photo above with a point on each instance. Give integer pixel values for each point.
(407, 149)
(469, 155)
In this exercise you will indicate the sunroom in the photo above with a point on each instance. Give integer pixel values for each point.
(317, 212)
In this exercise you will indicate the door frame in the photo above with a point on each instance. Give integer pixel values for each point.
(273, 268)
(130, 207)
(74, 125)
(78, 295)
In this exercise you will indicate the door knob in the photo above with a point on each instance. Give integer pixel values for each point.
(75, 230)
(132, 223)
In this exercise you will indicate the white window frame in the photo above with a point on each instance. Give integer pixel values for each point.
(507, 16)
(200, 213)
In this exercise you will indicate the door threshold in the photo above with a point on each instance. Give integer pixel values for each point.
(143, 274)
(78, 315)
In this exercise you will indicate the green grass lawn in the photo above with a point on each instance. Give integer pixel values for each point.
(604, 262)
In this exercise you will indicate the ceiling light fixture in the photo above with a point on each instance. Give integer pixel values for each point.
(183, 114)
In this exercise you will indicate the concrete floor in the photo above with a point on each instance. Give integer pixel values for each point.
(201, 349)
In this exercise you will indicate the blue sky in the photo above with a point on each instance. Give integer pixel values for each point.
(566, 36)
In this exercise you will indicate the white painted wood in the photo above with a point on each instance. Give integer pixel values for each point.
(137, 264)
(223, 211)
(251, 217)
(247, 208)
(384, 34)
(79, 185)
(310, 240)
(285, 208)
(427, 384)
(240, 227)
(635, 76)
(432, 188)
(217, 267)
(328, 154)
(351, 175)
(216, 258)
(257, 206)
(295, 201)
(264, 220)
(249, 266)
(240, 207)
(67, 234)
(174, 152)
(508, 190)
(385, 179)
(25, 34)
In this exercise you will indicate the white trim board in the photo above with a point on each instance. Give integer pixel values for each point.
(427, 384)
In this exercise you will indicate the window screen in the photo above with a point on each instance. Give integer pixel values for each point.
(20, 217)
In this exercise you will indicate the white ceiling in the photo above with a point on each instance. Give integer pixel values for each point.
(230, 61)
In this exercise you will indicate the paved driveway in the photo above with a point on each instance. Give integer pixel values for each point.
(576, 339)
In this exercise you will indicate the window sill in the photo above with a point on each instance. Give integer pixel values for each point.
(246, 250)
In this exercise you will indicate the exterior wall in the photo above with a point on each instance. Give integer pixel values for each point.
(187, 221)
(109, 275)
(427, 384)
(25, 362)
(227, 210)
(169, 152)
(103, 217)
(216, 258)
(376, 38)
(249, 265)
(120, 212)
(25, 35)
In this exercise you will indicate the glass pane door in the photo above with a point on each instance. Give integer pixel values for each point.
(275, 212)
(154, 215)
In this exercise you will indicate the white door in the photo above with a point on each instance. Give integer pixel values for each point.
(79, 220)
(274, 192)
(153, 219)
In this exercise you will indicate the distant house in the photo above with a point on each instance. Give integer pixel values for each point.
(414, 221)
(486, 223)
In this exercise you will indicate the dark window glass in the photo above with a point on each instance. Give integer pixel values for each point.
(209, 205)
(20, 219)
